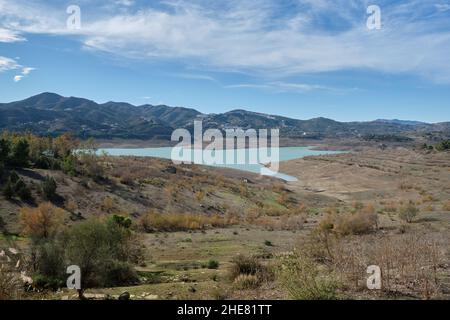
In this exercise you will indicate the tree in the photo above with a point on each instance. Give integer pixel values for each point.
(103, 251)
(4, 150)
(21, 189)
(20, 153)
(42, 222)
(48, 187)
(15, 186)
(64, 145)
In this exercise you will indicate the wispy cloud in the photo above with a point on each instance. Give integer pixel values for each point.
(27, 70)
(7, 64)
(7, 35)
(261, 37)
(279, 87)
(126, 3)
(193, 76)
(443, 7)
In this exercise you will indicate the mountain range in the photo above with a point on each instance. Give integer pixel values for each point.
(52, 114)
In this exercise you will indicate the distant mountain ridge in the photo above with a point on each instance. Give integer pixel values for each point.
(49, 113)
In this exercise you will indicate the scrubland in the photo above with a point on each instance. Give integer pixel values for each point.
(160, 231)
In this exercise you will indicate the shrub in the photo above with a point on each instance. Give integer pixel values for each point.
(21, 189)
(108, 204)
(122, 221)
(246, 282)
(68, 165)
(409, 212)
(71, 206)
(120, 273)
(212, 264)
(268, 243)
(360, 222)
(15, 186)
(42, 282)
(443, 146)
(104, 252)
(250, 265)
(48, 187)
(41, 222)
(302, 279)
(153, 221)
(49, 264)
(357, 223)
(10, 284)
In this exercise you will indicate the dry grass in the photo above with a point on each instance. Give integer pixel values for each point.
(305, 279)
(250, 266)
(446, 206)
(411, 264)
(10, 284)
(153, 221)
(364, 220)
(246, 282)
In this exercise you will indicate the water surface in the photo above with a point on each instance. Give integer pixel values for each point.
(285, 154)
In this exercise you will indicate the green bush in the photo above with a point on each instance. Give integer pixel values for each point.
(42, 282)
(20, 153)
(5, 147)
(15, 186)
(68, 165)
(212, 264)
(22, 190)
(443, 146)
(121, 221)
(48, 187)
(105, 251)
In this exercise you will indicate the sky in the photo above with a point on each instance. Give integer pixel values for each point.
(297, 58)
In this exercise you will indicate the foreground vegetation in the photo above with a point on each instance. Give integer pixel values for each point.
(157, 231)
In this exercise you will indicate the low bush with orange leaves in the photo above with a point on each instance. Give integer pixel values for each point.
(363, 220)
(41, 222)
(154, 221)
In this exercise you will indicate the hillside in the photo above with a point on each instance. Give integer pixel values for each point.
(52, 114)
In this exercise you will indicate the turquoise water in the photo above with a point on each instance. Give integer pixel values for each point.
(262, 156)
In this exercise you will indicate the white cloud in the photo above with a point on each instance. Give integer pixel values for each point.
(126, 3)
(279, 86)
(7, 64)
(261, 38)
(7, 35)
(193, 76)
(27, 70)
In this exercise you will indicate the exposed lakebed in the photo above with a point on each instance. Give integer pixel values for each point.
(285, 154)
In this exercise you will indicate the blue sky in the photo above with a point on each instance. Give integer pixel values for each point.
(298, 58)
